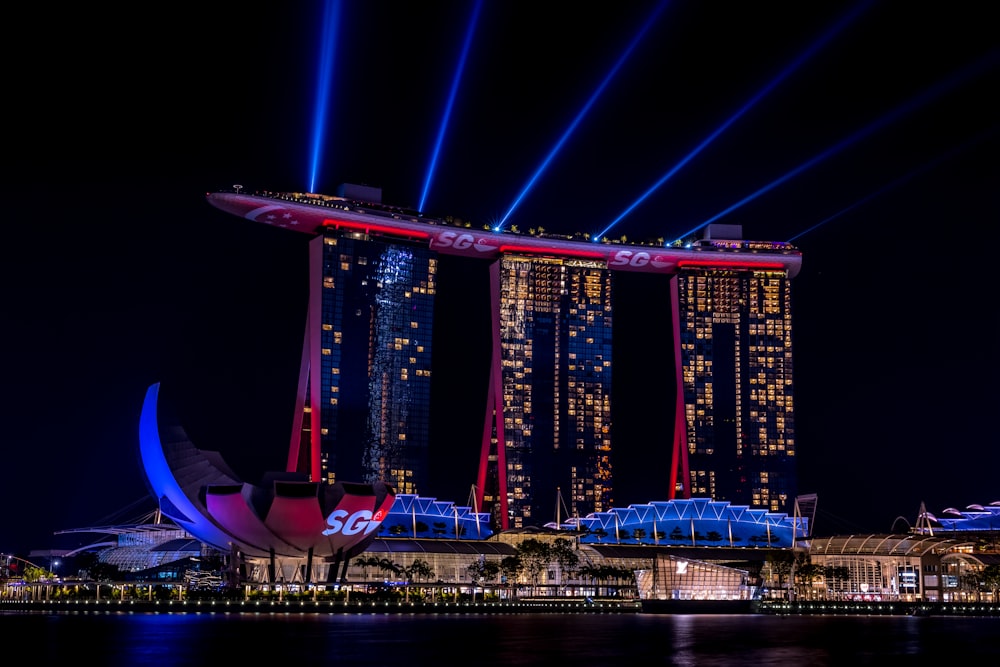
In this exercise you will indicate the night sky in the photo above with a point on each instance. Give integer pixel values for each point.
(866, 133)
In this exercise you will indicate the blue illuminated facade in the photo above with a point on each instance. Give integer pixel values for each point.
(972, 518)
(419, 517)
(693, 522)
(376, 312)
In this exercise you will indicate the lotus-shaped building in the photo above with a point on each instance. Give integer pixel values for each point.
(286, 516)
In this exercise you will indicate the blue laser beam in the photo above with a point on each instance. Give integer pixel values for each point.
(937, 90)
(579, 117)
(899, 181)
(328, 42)
(451, 102)
(784, 74)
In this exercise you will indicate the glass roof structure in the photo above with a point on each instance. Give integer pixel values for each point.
(690, 522)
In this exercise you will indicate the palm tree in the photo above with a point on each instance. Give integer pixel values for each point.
(805, 574)
(477, 573)
(420, 570)
(482, 571)
(416, 570)
(511, 567)
(973, 581)
(389, 568)
(535, 555)
(565, 556)
(589, 573)
(365, 563)
(622, 575)
(991, 579)
(779, 566)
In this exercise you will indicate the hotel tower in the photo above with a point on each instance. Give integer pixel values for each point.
(362, 409)
(548, 414)
(734, 330)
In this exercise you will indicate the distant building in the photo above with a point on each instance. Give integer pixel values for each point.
(911, 567)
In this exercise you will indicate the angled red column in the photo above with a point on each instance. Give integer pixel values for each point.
(679, 458)
(494, 420)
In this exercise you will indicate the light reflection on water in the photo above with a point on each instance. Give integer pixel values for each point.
(549, 640)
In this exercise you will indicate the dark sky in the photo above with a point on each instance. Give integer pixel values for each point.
(873, 147)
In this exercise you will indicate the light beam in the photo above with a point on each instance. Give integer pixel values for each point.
(934, 91)
(327, 43)
(451, 102)
(785, 73)
(579, 117)
(899, 181)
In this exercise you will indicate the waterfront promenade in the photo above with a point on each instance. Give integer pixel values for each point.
(308, 606)
(884, 608)
(524, 606)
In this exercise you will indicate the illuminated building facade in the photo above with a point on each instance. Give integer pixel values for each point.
(735, 339)
(371, 351)
(548, 414)
(547, 432)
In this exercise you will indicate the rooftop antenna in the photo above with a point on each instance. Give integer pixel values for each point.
(560, 507)
(803, 517)
(475, 509)
(924, 519)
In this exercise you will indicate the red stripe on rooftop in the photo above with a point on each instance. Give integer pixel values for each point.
(382, 229)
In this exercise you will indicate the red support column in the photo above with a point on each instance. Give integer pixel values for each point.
(679, 458)
(494, 420)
